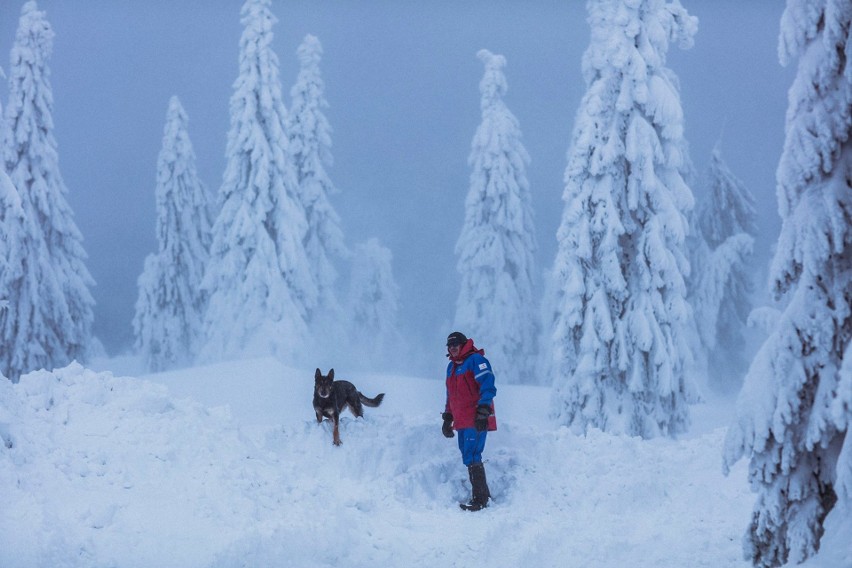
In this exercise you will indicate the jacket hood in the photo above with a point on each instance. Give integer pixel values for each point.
(467, 350)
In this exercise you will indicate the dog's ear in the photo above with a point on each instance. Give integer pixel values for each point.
(318, 374)
(331, 374)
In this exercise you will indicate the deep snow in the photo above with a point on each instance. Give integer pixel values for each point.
(225, 466)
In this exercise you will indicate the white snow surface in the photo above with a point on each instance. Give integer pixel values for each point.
(225, 465)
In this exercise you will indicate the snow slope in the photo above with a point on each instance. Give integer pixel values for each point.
(225, 466)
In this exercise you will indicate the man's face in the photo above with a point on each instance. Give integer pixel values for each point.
(454, 348)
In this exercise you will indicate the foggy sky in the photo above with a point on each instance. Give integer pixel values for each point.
(402, 83)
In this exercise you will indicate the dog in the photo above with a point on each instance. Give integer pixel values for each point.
(333, 397)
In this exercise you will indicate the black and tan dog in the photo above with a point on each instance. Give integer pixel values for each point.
(333, 397)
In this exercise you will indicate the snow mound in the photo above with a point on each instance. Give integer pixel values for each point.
(100, 470)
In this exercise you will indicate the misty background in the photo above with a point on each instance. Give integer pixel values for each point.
(402, 82)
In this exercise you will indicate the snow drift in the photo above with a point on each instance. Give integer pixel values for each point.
(100, 470)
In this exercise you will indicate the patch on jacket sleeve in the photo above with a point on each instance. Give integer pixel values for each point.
(483, 366)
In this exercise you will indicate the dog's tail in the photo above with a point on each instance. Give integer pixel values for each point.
(371, 402)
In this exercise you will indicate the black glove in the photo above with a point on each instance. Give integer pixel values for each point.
(483, 411)
(447, 428)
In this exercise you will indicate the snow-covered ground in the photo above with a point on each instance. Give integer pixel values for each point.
(225, 466)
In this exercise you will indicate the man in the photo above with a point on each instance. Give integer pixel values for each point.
(470, 410)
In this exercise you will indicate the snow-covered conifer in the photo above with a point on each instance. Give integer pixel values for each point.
(496, 247)
(722, 295)
(729, 207)
(373, 302)
(619, 309)
(59, 317)
(699, 257)
(16, 245)
(310, 145)
(794, 411)
(261, 291)
(171, 303)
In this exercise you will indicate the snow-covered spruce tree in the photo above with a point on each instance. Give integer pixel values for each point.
(55, 327)
(698, 253)
(496, 247)
(373, 302)
(722, 301)
(618, 327)
(729, 206)
(171, 304)
(261, 292)
(310, 145)
(794, 411)
(16, 246)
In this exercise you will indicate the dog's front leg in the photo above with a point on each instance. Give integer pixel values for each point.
(337, 441)
(319, 416)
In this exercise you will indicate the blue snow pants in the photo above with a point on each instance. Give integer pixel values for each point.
(471, 445)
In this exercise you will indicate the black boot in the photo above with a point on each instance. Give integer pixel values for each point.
(481, 494)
